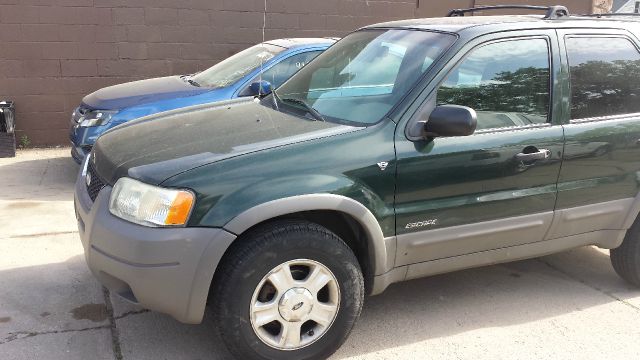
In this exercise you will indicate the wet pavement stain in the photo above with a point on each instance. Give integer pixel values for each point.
(45, 314)
(93, 312)
(23, 205)
(5, 319)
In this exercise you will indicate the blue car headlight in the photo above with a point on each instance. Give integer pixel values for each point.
(95, 118)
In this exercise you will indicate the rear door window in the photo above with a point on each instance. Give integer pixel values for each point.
(605, 76)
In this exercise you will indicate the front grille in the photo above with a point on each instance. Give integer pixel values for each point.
(96, 184)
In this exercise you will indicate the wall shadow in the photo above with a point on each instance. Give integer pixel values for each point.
(47, 179)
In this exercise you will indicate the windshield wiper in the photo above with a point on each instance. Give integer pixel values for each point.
(316, 115)
(188, 79)
(193, 82)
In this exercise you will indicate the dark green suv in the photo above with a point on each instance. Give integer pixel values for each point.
(407, 149)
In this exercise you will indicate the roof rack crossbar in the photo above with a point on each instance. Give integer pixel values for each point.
(610, 14)
(552, 12)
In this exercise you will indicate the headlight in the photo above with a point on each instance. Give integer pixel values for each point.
(95, 118)
(150, 205)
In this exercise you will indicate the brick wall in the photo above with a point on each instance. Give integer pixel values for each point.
(53, 52)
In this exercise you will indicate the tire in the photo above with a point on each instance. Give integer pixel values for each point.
(626, 258)
(252, 278)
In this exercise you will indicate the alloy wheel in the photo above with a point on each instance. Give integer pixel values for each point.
(295, 304)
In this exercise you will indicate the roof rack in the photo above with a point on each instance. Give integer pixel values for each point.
(611, 14)
(553, 12)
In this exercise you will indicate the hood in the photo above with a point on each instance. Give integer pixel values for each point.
(157, 147)
(140, 92)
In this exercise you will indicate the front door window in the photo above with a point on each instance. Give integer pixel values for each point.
(506, 82)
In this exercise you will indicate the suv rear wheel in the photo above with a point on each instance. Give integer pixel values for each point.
(626, 258)
(288, 290)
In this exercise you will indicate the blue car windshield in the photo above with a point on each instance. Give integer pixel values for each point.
(236, 67)
(363, 76)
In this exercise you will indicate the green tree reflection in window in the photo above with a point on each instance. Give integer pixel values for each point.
(507, 83)
(605, 77)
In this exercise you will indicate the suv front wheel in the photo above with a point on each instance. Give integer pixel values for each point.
(287, 290)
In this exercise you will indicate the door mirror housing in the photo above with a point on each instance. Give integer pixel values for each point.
(258, 88)
(451, 120)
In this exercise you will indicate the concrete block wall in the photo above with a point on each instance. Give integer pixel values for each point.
(53, 52)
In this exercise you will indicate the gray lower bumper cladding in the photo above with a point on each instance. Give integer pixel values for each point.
(168, 270)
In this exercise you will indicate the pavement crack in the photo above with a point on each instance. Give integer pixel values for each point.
(17, 335)
(572, 277)
(44, 173)
(115, 334)
(133, 312)
(43, 234)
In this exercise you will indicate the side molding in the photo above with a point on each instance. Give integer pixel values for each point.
(513, 253)
(381, 250)
(458, 240)
(610, 215)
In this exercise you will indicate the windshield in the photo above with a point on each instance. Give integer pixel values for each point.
(237, 66)
(360, 78)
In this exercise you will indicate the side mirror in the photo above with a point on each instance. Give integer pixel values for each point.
(451, 120)
(258, 88)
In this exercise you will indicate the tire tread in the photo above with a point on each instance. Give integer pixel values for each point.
(626, 258)
(256, 241)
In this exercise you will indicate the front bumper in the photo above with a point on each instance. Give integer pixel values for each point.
(83, 138)
(79, 149)
(168, 270)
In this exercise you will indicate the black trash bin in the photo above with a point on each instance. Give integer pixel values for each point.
(7, 127)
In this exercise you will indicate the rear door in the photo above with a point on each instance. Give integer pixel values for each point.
(600, 174)
(497, 187)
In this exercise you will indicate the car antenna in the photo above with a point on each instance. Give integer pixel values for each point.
(264, 25)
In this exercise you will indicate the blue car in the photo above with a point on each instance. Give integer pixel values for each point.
(246, 73)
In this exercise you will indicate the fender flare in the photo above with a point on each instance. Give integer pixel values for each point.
(381, 250)
(634, 211)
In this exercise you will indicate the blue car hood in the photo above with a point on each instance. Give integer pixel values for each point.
(129, 94)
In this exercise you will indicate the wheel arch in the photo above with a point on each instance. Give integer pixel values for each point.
(346, 217)
(378, 247)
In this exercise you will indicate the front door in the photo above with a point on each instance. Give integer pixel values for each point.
(497, 187)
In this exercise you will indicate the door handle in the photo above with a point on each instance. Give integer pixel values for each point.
(542, 154)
